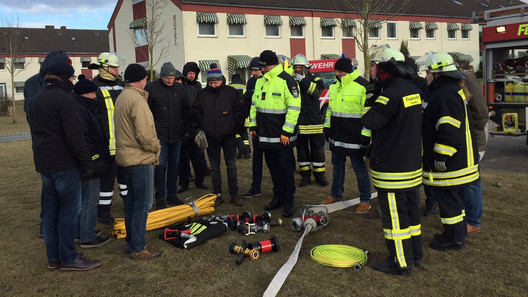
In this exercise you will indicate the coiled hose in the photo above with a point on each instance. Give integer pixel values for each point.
(336, 255)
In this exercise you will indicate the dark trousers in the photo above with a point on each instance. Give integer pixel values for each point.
(107, 184)
(166, 172)
(228, 146)
(400, 217)
(452, 213)
(191, 153)
(258, 156)
(281, 164)
(310, 154)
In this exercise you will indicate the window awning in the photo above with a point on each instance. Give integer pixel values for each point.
(19, 60)
(330, 56)
(375, 24)
(297, 21)
(452, 27)
(86, 59)
(41, 59)
(415, 25)
(460, 57)
(467, 27)
(19, 84)
(272, 20)
(236, 19)
(431, 26)
(328, 22)
(237, 61)
(139, 23)
(206, 17)
(2, 60)
(204, 64)
(345, 23)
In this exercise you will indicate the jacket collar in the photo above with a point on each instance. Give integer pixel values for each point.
(141, 92)
(349, 78)
(274, 72)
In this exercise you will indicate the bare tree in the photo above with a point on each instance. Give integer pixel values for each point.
(372, 13)
(148, 38)
(14, 47)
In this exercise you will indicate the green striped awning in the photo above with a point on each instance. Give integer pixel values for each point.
(3, 60)
(415, 25)
(330, 56)
(236, 19)
(19, 84)
(328, 22)
(272, 20)
(374, 24)
(460, 57)
(139, 23)
(206, 17)
(467, 27)
(297, 21)
(86, 59)
(19, 60)
(237, 61)
(41, 59)
(345, 23)
(431, 26)
(452, 27)
(204, 64)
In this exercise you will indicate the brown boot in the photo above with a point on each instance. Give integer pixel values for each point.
(236, 201)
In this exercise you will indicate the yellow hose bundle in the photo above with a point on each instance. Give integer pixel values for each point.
(336, 255)
(171, 215)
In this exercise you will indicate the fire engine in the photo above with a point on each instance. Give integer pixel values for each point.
(505, 72)
(325, 70)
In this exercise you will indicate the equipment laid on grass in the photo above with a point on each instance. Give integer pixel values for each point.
(315, 215)
(193, 234)
(254, 249)
(336, 255)
(248, 223)
(277, 281)
(171, 215)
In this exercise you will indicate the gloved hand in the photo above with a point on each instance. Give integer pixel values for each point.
(440, 165)
(326, 132)
(87, 172)
(285, 140)
(299, 77)
(201, 140)
(364, 141)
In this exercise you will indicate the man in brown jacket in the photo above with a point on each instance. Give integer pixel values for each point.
(137, 150)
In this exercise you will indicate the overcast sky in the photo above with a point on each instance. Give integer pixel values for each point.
(74, 14)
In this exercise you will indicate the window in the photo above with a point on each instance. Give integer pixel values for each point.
(327, 27)
(236, 23)
(430, 28)
(465, 30)
(3, 91)
(297, 31)
(415, 33)
(465, 34)
(374, 33)
(19, 63)
(141, 36)
(348, 26)
(391, 30)
(19, 87)
(85, 62)
(451, 30)
(451, 34)
(207, 24)
(414, 29)
(375, 26)
(2, 63)
(272, 24)
(430, 34)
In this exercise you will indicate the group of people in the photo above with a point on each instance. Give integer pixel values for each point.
(147, 135)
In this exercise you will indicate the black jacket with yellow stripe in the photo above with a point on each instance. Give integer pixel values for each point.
(448, 136)
(395, 120)
(310, 120)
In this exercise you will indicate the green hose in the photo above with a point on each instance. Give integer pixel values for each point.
(336, 255)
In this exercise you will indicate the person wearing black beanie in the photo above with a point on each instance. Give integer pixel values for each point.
(344, 64)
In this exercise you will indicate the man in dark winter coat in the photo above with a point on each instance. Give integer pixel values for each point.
(191, 72)
(61, 158)
(110, 86)
(172, 117)
(219, 111)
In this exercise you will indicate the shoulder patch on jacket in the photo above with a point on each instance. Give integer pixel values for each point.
(291, 82)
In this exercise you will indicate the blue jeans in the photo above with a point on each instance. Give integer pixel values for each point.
(167, 170)
(258, 155)
(338, 182)
(472, 197)
(61, 205)
(139, 201)
(88, 216)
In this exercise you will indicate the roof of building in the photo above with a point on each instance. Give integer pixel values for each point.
(444, 8)
(48, 39)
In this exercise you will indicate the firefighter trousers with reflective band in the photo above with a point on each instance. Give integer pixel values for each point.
(452, 213)
(107, 184)
(310, 154)
(400, 217)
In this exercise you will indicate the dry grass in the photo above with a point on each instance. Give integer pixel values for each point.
(493, 263)
(21, 125)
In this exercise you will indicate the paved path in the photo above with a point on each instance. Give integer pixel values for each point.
(14, 137)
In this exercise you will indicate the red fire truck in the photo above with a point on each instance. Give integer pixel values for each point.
(325, 70)
(505, 72)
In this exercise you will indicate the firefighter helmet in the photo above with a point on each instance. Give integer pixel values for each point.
(108, 59)
(384, 53)
(301, 61)
(441, 63)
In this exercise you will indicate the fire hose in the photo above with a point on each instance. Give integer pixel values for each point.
(336, 255)
(279, 278)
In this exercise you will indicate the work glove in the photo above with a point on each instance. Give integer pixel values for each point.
(440, 165)
(201, 140)
(87, 171)
(326, 133)
(299, 77)
(364, 141)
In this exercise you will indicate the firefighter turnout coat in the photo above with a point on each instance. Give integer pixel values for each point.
(275, 108)
(447, 136)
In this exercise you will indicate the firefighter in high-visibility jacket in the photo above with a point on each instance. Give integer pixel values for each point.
(395, 119)
(310, 141)
(275, 108)
(110, 86)
(450, 154)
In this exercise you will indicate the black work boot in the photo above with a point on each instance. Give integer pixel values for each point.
(219, 199)
(438, 243)
(430, 208)
(389, 267)
(103, 214)
(321, 179)
(160, 204)
(305, 180)
(236, 200)
(174, 200)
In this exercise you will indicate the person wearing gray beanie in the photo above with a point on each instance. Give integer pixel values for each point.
(167, 69)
